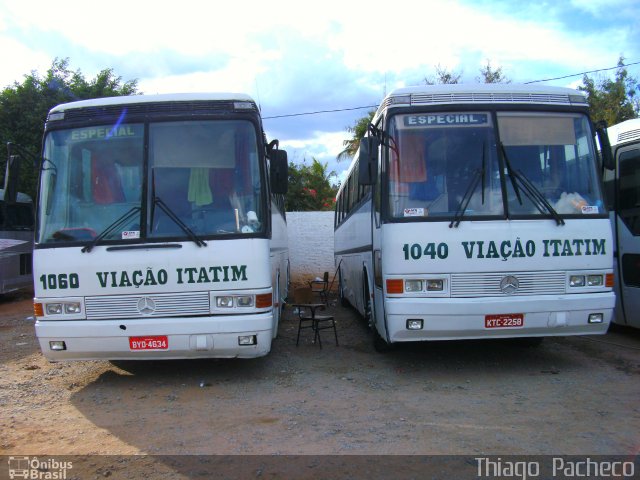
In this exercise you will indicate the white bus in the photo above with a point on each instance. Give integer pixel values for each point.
(476, 211)
(622, 186)
(16, 242)
(160, 229)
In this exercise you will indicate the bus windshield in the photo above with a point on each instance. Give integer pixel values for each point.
(166, 180)
(445, 165)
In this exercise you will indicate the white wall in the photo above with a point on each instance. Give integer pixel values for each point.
(310, 245)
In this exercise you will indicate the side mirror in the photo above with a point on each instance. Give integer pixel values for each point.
(606, 154)
(368, 158)
(11, 179)
(279, 171)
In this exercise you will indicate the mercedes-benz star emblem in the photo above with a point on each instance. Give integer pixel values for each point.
(509, 285)
(146, 306)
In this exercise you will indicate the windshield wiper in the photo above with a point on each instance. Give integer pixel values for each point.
(478, 176)
(511, 172)
(192, 236)
(87, 248)
(530, 190)
(537, 198)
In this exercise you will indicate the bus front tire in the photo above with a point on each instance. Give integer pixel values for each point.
(380, 345)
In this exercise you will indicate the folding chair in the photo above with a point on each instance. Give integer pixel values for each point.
(321, 287)
(308, 318)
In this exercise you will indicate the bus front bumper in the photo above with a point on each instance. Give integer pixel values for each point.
(472, 318)
(248, 336)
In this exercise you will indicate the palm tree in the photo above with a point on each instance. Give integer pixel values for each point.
(359, 130)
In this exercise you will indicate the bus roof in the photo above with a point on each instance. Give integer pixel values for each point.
(482, 93)
(624, 132)
(167, 97)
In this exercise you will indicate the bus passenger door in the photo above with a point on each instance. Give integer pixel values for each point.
(378, 315)
(627, 226)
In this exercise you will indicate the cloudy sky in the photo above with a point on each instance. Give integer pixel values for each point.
(299, 57)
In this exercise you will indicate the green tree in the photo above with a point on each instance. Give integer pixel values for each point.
(310, 187)
(491, 75)
(613, 101)
(443, 76)
(359, 130)
(24, 107)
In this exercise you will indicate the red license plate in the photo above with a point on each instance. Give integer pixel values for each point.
(158, 342)
(507, 320)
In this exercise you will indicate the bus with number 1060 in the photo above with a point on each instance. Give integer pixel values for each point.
(160, 230)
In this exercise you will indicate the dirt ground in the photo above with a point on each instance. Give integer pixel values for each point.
(569, 396)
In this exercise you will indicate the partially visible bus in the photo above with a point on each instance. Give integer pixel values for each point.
(16, 242)
(622, 185)
(160, 229)
(474, 212)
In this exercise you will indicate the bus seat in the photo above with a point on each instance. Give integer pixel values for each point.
(222, 183)
(107, 187)
(526, 159)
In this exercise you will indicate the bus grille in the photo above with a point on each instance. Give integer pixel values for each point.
(628, 136)
(480, 98)
(145, 109)
(488, 284)
(145, 306)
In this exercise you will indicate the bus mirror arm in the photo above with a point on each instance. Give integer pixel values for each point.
(605, 145)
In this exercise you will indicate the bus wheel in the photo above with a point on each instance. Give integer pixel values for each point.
(343, 301)
(368, 313)
(380, 344)
(277, 310)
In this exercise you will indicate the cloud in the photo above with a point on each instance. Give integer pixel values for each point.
(312, 57)
(19, 60)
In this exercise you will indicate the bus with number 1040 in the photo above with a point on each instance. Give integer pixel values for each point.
(160, 230)
(476, 212)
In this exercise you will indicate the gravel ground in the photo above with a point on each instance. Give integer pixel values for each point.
(571, 396)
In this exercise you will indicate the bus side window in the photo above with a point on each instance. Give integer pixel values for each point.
(629, 190)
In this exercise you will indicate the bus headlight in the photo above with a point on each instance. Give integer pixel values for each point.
(73, 307)
(224, 302)
(595, 280)
(233, 302)
(62, 308)
(589, 281)
(417, 287)
(245, 301)
(53, 308)
(576, 281)
(412, 286)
